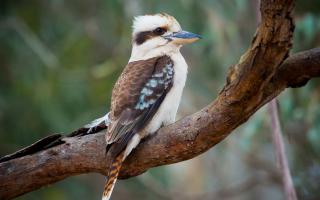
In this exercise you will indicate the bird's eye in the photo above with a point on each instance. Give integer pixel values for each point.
(159, 31)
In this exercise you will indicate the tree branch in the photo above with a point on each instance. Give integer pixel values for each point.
(256, 79)
(282, 161)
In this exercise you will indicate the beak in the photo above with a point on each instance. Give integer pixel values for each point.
(183, 37)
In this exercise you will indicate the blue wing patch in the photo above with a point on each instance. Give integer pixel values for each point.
(155, 86)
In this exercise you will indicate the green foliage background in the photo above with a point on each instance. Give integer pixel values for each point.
(58, 63)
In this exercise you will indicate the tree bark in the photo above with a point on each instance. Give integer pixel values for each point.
(260, 75)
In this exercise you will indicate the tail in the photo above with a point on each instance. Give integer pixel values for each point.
(112, 176)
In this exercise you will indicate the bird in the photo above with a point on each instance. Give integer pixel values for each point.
(148, 92)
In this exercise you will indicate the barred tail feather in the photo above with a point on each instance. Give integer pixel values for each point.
(112, 176)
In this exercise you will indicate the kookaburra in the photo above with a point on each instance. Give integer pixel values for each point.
(147, 94)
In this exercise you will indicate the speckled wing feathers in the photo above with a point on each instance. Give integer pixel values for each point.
(136, 97)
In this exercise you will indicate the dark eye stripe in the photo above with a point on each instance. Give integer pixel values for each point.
(143, 36)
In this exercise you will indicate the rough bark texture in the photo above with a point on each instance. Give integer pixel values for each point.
(259, 76)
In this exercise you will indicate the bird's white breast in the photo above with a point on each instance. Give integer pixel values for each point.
(167, 111)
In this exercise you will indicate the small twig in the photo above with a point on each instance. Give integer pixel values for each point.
(282, 161)
(33, 41)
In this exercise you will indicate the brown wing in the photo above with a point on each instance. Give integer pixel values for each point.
(136, 97)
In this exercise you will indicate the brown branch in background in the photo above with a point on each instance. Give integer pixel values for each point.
(282, 161)
(290, 192)
(255, 80)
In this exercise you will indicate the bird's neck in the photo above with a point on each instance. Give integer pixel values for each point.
(140, 53)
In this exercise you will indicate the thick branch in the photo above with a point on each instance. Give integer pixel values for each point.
(86, 154)
(253, 82)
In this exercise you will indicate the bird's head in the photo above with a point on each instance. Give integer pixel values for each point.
(159, 34)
